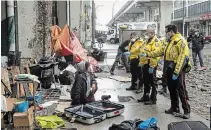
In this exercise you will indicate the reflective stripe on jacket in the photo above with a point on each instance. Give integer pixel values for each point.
(152, 45)
(176, 51)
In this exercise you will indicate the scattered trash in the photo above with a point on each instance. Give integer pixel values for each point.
(120, 78)
(125, 98)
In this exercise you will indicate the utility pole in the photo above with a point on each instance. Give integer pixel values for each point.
(93, 23)
(183, 21)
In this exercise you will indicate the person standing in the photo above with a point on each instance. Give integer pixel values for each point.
(133, 52)
(121, 50)
(197, 48)
(176, 64)
(149, 68)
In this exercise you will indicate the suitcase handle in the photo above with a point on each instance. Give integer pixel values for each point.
(98, 119)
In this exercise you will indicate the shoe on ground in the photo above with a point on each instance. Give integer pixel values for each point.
(131, 88)
(171, 111)
(112, 72)
(150, 102)
(140, 90)
(186, 116)
(143, 99)
(202, 68)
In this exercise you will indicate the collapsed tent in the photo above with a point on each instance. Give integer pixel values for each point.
(65, 43)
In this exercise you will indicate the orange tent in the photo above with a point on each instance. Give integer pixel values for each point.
(65, 43)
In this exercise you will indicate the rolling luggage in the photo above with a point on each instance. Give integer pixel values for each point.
(111, 109)
(187, 125)
(85, 114)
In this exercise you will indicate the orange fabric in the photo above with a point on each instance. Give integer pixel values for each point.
(64, 43)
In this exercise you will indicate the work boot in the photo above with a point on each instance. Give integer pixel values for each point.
(186, 116)
(131, 88)
(112, 72)
(140, 90)
(143, 99)
(171, 111)
(150, 102)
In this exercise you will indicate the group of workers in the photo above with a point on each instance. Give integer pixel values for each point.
(144, 56)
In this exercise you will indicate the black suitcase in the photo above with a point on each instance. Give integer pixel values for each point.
(187, 125)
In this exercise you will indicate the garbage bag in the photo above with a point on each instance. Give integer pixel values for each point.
(50, 122)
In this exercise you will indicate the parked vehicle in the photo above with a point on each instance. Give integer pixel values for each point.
(207, 39)
(101, 39)
(115, 33)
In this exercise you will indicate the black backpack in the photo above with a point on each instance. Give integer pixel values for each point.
(126, 125)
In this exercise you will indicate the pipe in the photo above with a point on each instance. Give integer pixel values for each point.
(183, 20)
(80, 21)
(85, 22)
(10, 14)
(93, 23)
(69, 15)
(16, 33)
(68, 12)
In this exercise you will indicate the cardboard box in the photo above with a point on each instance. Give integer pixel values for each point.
(24, 119)
(10, 103)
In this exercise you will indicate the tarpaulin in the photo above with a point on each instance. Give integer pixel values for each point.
(65, 43)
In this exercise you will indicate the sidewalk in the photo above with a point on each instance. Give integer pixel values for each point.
(132, 109)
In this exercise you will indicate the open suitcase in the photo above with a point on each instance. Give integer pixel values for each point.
(111, 109)
(187, 125)
(85, 114)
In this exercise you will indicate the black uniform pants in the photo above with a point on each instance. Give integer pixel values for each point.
(150, 81)
(177, 89)
(136, 73)
(118, 57)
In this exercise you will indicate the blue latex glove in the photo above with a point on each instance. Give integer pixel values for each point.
(175, 76)
(151, 70)
(160, 62)
(126, 53)
(143, 55)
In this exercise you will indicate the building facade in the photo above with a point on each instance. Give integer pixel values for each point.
(196, 15)
(31, 30)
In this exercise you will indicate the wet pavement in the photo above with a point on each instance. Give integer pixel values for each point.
(133, 109)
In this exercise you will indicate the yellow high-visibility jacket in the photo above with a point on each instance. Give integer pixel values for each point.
(153, 45)
(176, 51)
(134, 49)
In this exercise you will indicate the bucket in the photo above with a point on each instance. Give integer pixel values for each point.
(21, 106)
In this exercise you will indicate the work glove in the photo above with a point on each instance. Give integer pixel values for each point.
(143, 55)
(175, 76)
(150, 70)
(126, 53)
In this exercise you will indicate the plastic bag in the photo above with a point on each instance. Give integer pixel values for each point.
(50, 122)
(149, 123)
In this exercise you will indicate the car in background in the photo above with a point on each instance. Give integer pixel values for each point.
(101, 39)
(207, 39)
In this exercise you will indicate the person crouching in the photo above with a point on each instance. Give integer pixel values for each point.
(84, 87)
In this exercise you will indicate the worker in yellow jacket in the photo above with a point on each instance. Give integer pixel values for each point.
(176, 64)
(133, 52)
(149, 67)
